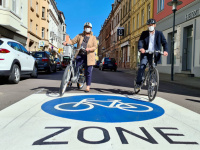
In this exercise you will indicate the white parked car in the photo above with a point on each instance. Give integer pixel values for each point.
(15, 61)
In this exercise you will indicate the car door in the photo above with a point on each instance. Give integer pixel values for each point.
(18, 54)
(28, 59)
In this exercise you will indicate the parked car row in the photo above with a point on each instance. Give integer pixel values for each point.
(15, 61)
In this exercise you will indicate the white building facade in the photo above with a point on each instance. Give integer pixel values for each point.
(53, 26)
(57, 28)
(14, 20)
(187, 40)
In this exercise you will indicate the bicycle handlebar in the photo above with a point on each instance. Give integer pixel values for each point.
(77, 48)
(150, 52)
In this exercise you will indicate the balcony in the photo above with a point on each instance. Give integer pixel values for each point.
(10, 20)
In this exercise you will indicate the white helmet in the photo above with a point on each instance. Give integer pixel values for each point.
(88, 24)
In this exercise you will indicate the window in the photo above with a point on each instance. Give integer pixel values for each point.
(23, 49)
(2, 3)
(137, 21)
(133, 24)
(148, 11)
(36, 7)
(129, 30)
(125, 30)
(43, 12)
(142, 17)
(43, 34)
(31, 22)
(124, 10)
(170, 45)
(126, 7)
(160, 5)
(128, 55)
(36, 29)
(14, 5)
(15, 46)
(1, 42)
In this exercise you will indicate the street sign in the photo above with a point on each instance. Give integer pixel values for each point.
(120, 31)
(41, 43)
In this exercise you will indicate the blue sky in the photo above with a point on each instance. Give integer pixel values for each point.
(77, 12)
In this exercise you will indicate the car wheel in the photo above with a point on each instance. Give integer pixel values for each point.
(34, 74)
(15, 75)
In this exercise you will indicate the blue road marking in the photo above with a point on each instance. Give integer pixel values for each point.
(102, 108)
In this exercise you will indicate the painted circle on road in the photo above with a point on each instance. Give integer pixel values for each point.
(102, 108)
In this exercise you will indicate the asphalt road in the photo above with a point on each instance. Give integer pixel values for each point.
(103, 82)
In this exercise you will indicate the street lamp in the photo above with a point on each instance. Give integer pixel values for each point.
(174, 4)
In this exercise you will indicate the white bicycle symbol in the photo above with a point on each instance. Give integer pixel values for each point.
(90, 103)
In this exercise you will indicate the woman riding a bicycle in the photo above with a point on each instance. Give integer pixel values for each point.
(88, 42)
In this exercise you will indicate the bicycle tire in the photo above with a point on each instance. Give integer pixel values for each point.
(153, 84)
(65, 80)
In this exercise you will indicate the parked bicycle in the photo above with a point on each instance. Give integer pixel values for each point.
(150, 78)
(72, 74)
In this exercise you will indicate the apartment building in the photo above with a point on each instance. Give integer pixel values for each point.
(141, 11)
(13, 22)
(187, 36)
(132, 15)
(115, 24)
(38, 25)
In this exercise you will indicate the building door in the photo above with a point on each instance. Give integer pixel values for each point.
(187, 51)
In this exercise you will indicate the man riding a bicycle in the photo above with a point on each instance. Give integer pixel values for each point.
(150, 40)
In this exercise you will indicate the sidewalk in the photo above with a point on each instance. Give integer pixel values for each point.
(193, 82)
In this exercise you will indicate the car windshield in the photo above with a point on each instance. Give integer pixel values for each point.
(39, 55)
(1, 42)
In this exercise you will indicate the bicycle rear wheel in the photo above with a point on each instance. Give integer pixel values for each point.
(153, 83)
(65, 80)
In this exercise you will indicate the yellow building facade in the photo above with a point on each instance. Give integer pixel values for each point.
(141, 11)
(38, 25)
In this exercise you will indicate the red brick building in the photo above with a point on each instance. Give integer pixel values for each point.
(162, 10)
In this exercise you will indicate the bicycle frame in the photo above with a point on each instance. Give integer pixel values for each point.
(151, 65)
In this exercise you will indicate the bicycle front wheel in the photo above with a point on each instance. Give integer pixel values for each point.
(153, 84)
(65, 80)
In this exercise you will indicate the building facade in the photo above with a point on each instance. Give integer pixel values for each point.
(13, 22)
(53, 26)
(132, 15)
(115, 24)
(141, 11)
(57, 29)
(38, 25)
(187, 36)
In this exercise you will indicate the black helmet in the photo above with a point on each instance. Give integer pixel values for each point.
(151, 21)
